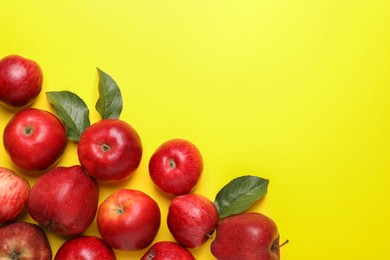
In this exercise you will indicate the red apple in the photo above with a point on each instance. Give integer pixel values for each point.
(14, 191)
(167, 250)
(246, 236)
(64, 200)
(85, 248)
(176, 166)
(35, 139)
(22, 240)
(20, 81)
(128, 220)
(192, 219)
(110, 150)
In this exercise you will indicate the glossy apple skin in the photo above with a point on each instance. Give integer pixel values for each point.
(20, 81)
(85, 248)
(35, 139)
(110, 150)
(128, 220)
(14, 191)
(176, 166)
(23, 240)
(167, 250)
(64, 200)
(246, 236)
(192, 219)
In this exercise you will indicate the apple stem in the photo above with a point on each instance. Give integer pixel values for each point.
(285, 242)
(172, 164)
(120, 210)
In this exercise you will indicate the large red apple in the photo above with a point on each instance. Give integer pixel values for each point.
(128, 220)
(176, 166)
(192, 219)
(64, 200)
(20, 81)
(35, 139)
(246, 236)
(23, 240)
(85, 248)
(14, 191)
(110, 150)
(167, 250)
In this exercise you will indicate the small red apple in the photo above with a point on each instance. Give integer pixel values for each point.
(20, 81)
(85, 247)
(64, 200)
(23, 240)
(14, 191)
(110, 150)
(35, 139)
(192, 219)
(176, 166)
(246, 236)
(128, 220)
(167, 250)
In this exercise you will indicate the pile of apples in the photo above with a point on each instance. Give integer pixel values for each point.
(64, 200)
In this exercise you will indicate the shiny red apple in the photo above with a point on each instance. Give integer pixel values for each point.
(110, 150)
(20, 81)
(128, 220)
(23, 240)
(85, 248)
(246, 236)
(192, 219)
(64, 200)
(35, 139)
(176, 166)
(14, 191)
(167, 250)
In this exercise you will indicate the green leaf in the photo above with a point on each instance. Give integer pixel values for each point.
(110, 103)
(72, 110)
(239, 194)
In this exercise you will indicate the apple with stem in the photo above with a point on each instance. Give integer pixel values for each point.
(35, 139)
(246, 236)
(110, 150)
(192, 219)
(14, 191)
(167, 250)
(20, 81)
(23, 240)
(64, 200)
(85, 247)
(128, 220)
(176, 166)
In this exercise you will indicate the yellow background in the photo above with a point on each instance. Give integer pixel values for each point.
(293, 91)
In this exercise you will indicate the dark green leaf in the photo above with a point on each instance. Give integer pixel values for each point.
(109, 104)
(239, 194)
(72, 110)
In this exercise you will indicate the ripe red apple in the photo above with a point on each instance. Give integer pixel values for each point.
(20, 81)
(246, 236)
(64, 200)
(167, 250)
(192, 219)
(85, 247)
(128, 220)
(14, 191)
(23, 240)
(110, 150)
(176, 166)
(35, 139)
